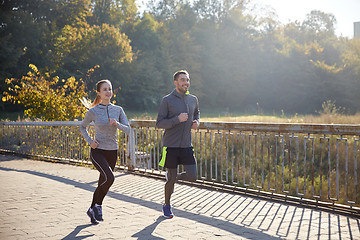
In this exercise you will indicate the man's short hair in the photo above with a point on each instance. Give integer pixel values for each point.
(180, 72)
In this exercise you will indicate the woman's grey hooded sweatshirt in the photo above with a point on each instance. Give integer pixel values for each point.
(105, 134)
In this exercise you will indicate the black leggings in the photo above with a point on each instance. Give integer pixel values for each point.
(104, 161)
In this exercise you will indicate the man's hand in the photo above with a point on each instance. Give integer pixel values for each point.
(183, 117)
(195, 125)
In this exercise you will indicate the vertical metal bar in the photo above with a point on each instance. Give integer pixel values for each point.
(304, 167)
(282, 168)
(329, 175)
(281, 137)
(355, 170)
(148, 150)
(72, 149)
(297, 149)
(312, 167)
(202, 158)
(206, 152)
(249, 182)
(145, 152)
(221, 158)
(232, 158)
(211, 155)
(236, 141)
(256, 161)
(337, 166)
(153, 144)
(160, 147)
(244, 161)
(156, 164)
(289, 164)
(262, 137)
(227, 148)
(198, 149)
(321, 163)
(346, 171)
(269, 165)
(216, 155)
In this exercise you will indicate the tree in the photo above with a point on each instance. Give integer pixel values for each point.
(46, 97)
(79, 48)
(113, 12)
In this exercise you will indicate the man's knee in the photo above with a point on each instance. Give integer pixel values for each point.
(171, 175)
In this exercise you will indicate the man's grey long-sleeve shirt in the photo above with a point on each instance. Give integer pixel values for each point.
(177, 134)
(105, 134)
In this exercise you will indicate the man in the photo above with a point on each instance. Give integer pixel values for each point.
(178, 114)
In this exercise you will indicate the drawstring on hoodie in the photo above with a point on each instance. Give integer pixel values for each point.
(107, 111)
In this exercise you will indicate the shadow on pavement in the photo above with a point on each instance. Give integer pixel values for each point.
(73, 234)
(146, 233)
(224, 225)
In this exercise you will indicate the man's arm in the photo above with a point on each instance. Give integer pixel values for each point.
(162, 120)
(196, 118)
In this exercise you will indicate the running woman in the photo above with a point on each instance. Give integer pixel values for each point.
(107, 118)
(178, 114)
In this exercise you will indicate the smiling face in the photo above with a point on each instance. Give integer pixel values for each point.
(182, 83)
(105, 91)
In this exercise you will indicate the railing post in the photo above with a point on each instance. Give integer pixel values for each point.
(131, 149)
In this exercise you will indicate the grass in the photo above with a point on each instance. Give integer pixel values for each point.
(317, 119)
(321, 118)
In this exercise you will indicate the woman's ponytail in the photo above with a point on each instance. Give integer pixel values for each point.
(96, 101)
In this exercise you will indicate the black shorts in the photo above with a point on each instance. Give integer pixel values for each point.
(176, 156)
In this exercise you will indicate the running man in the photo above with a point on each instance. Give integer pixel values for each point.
(178, 114)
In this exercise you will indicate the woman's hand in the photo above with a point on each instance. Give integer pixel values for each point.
(94, 144)
(113, 121)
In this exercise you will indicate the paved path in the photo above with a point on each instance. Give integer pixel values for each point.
(42, 200)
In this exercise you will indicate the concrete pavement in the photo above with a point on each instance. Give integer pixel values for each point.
(43, 200)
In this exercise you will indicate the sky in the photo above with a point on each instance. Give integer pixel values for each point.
(346, 12)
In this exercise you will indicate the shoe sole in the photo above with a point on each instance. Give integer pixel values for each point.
(92, 219)
(169, 217)
(97, 216)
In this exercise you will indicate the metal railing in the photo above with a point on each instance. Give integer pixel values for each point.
(311, 163)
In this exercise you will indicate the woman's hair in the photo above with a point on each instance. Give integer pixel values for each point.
(97, 100)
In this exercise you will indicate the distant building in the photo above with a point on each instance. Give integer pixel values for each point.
(356, 29)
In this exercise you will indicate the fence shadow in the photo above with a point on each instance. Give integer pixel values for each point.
(224, 225)
(255, 219)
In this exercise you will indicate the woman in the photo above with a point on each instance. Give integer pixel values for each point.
(107, 118)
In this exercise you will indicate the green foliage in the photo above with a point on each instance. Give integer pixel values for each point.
(47, 97)
(329, 108)
(237, 60)
(113, 12)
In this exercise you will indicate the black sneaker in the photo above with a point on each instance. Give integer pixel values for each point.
(91, 215)
(98, 212)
